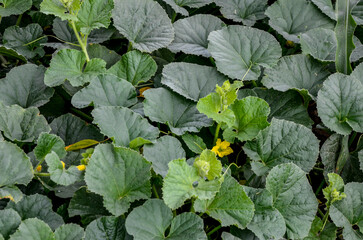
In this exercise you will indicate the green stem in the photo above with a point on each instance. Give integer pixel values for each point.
(155, 192)
(42, 174)
(321, 213)
(325, 219)
(19, 20)
(214, 230)
(318, 169)
(0, 19)
(82, 43)
(173, 17)
(81, 114)
(320, 187)
(129, 48)
(216, 133)
(36, 40)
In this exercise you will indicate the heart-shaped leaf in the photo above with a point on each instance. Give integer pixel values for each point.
(240, 52)
(135, 67)
(151, 220)
(191, 80)
(106, 90)
(123, 124)
(144, 23)
(245, 11)
(283, 142)
(338, 104)
(126, 181)
(291, 18)
(181, 115)
(191, 34)
(20, 124)
(164, 150)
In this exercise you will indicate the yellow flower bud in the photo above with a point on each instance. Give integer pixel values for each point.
(81, 167)
(39, 168)
(63, 164)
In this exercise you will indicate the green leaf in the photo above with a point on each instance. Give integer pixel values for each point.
(326, 7)
(9, 222)
(15, 165)
(180, 114)
(240, 52)
(106, 90)
(13, 193)
(320, 43)
(329, 232)
(194, 143)
(100, 51)
(86, 204)
(14, 7)
(58, 173)
(164, 150)
(298, 72)
(192, 81)
(344, 32)
(284, 142)
(55, 7)
(337, 104)
(245, 11)
(47, 143)
(126, 181)
(183, 182)
(78, 72)
(144, 23)
(293, 197)
(23, 125)
(292, 18)
(7, 52)
(19, 38)
(230, 206)
(348, 213)
(212, 107)
(37, 206)
(138, 142)
(178, 5)
(284, 105)
(73, 129)
(251, 117)
(69, 232)
(94, 14)
(24, 85)
(208, 165)
(191, 34)
(33, 229)
(135, 67)
(107, 228)
(152, 219)
(267, 222)
(123, 124)
(357, 73)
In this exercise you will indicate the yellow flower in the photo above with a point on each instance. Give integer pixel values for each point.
(39, 168)
(63, 164)
(81, 167)
(222, 148)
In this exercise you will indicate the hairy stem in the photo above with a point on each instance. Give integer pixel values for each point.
(216, 133)
(82, 43)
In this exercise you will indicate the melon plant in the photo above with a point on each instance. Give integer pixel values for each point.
(181, 119)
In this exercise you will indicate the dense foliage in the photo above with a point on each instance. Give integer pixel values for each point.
(181, 119)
